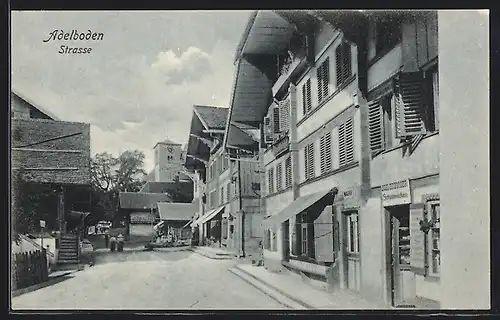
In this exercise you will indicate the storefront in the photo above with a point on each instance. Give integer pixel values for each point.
(306, 233)
(413, 226)
(212, 226)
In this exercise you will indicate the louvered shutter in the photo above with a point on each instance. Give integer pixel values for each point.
(284, 111)
(306, 162)
(308, 95)
(418, 253)
(310, 155)
(276, 119)
(322, 154)
(375, 126)
(349, 140)
(342, 149)
(279, 177)
(319, 78)
(346, 61)
(228, 192)
(325, 76)
(326, 153)
(288, 172)
(304, 99)
(268, 130)
(338, 65)
(409, 102)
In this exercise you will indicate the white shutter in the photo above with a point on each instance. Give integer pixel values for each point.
(284, 113)
(342, 157)
(326, 152)
(310, 161)
(375, 126)
(276, 119)
(408, 99)
(349, 140)
(279, 177)
(288, 172)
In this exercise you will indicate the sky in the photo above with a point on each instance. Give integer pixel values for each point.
(138, 84)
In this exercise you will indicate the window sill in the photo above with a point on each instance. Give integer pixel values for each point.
(327, 99)
(330, 173)
(432, 278)
(401, 145)
(277, 193)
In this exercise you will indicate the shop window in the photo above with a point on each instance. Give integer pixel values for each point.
(323, 77)
(433, 214)
(288, 172)
(352, 233)
(306, 97)
(346, 142)
(279, 177)
(343, 63)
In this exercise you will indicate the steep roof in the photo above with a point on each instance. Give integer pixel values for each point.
(32, 105)
(165, 187)
(212, 117)
(177, 211)
(141, 200)
(169, 142)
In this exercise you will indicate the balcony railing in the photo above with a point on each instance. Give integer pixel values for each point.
(286, 72)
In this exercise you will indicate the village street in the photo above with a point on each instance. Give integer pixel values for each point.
(150, 280)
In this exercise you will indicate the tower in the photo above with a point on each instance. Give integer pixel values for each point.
(169, 160)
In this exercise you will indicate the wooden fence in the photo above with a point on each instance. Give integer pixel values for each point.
(28, 268)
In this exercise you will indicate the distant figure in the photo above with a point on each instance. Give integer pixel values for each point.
(106, 239)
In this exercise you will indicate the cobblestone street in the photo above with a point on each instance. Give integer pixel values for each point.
(150, 280)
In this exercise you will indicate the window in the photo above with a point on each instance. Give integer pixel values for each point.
(305, 236)
(279, 177)
(326, 153)
(343, 63)
(346, 143)
(405, 114)
(222, 194)
(352, 233)
(284, 111)
(434, 237)
(270, 174)
(306, 97)
(309, 161)
(228, 191)
(276, 119)
(288, 172)
(323, 77)
(387, 34)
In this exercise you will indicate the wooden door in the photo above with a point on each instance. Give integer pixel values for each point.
(352, 256)
(286, 240)
(403, 279)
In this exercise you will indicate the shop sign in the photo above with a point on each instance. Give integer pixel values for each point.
(350, 197)
(396, 193)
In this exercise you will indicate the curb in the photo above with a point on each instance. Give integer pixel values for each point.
(270, 290)
(211, 256)
(49, 282)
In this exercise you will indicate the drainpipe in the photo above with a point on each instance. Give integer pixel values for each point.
(294, 154)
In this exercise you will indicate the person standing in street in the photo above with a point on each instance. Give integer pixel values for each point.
(106, 239)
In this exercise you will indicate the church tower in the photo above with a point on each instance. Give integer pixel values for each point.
(169, 160)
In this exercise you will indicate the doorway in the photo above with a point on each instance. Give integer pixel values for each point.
(403, 287)
(352, 259)
(286, 240)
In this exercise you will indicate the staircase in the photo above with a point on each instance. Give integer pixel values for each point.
(68, 250)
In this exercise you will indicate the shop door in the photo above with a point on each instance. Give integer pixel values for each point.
(403, 280)
(352, 257)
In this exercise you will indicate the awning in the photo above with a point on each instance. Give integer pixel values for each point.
(158, 225)
(212, 214)
(296, 207)
(187, 224)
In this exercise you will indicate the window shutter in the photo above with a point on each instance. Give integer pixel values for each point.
(284, 112)
(310, 155)
(375, 126)
(343, 62)
(279, 174)
(308, 95)
(325, 76)
(342, 149)
(418, 256)
(304, 99)
(276, 119)
(306, 162)
(319, 78)
(326, 152)
(323, 229)
(222, 194)
(409, 103)
(268, 130)
(271, 180)
(288, 172)
(338, 65)
(295, 242)
(349, 140)
(228, 190)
